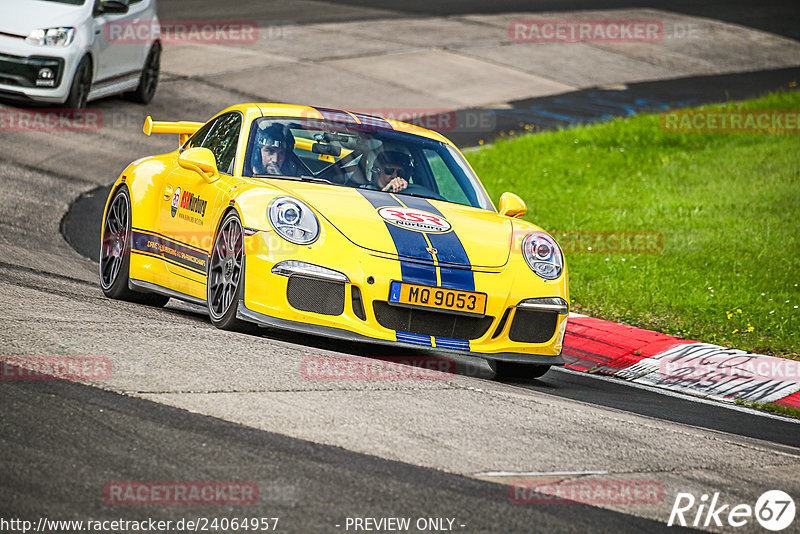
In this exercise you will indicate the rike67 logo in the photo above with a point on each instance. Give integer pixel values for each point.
(774, 510)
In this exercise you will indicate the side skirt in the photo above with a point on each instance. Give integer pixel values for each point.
(148, 287)
(115, 85)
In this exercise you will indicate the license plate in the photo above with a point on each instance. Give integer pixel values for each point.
(438, 298)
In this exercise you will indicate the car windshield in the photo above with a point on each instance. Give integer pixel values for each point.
(363, 156)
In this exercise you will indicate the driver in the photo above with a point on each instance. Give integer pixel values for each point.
(273, 150)
(391, 170)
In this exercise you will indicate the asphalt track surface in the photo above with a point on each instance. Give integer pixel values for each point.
(780, 17)
(84, 437)
(62, 442)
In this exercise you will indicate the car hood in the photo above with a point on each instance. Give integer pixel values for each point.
(20, 18)
(389, 224)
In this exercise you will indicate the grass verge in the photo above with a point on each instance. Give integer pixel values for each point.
(725, 205)
(771, 407)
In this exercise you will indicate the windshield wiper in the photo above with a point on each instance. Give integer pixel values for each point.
(412, 194)
(295, 178)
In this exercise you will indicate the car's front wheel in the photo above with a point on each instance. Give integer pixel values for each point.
(81, 85)
(115, 253)
(225, 280)
(519, 371)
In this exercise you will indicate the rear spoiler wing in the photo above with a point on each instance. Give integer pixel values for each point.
(184, 129)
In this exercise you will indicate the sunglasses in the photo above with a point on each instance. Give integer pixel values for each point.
(389, 171)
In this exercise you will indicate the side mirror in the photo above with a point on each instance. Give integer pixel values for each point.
(200, 160)
(512, 206)
(111, 7)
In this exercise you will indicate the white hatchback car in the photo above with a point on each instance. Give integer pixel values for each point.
(71, 51)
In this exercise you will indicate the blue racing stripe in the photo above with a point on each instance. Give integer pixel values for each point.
(449, 343)
(417, 339)
(408, 243)
(450, 250)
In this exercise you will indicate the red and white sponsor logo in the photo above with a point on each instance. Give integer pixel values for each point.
(182, 32)
(176, 200)
(587, 492)
(585, 31)
(55, 120)
(418, 220)
(181, 493)
(54, 368)
(404, 368)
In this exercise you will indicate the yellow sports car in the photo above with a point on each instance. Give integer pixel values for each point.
(336, 224)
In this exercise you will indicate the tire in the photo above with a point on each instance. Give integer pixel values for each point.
(115, 253)
(81, 85)
(148, 83)
(519, 371)
(225, 278)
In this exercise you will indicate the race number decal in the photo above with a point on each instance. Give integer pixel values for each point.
(418, 220)
(176, 200)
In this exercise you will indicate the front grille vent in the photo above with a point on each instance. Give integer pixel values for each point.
(358, 304)
(315, 295)
(430, 323)
(530, 326)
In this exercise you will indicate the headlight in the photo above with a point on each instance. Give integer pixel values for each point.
(293, 220)
(51, 37)
(543, 256)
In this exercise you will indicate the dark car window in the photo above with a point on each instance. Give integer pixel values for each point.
(220, 136)
(222, 140)
(347, 154)
(197, 138)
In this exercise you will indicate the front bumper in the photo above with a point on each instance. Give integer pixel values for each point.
(35, 73)
(359, 308)
(246, 314)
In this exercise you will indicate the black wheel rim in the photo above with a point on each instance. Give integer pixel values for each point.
(115, 236)
(150, 74)
(225, 268)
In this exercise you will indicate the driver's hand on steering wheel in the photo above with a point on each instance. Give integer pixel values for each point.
(396, 184)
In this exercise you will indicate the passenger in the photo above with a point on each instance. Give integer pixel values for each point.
(273, 153)
(392, 170)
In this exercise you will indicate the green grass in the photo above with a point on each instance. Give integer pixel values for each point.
(771, 407)
(727, 205)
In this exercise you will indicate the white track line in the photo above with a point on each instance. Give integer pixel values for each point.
(670, 393)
